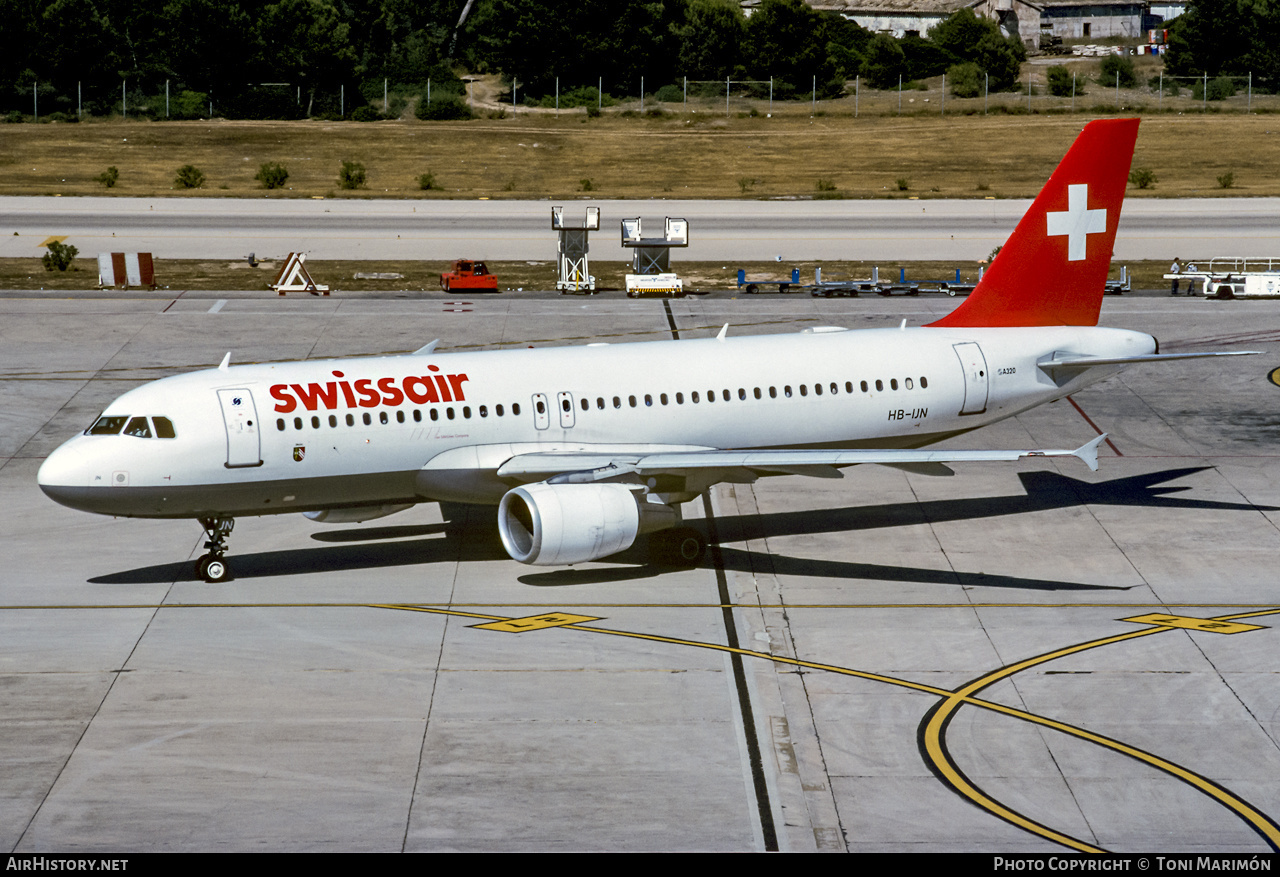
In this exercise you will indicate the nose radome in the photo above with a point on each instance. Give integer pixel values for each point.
(63, 474)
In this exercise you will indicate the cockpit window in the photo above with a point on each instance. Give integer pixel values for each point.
(108, 425)
(139, 427)
(164, 427)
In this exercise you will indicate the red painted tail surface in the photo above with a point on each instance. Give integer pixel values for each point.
(1053, 269)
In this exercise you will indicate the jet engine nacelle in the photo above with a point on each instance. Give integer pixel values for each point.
(553, 524)
(355, 514)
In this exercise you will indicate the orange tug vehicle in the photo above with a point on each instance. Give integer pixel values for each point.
(470, 275)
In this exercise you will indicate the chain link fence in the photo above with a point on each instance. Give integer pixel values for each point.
(1040, 90)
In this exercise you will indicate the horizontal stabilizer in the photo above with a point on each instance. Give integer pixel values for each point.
(1075, 361)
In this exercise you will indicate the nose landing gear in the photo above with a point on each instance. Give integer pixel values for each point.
(212, 567)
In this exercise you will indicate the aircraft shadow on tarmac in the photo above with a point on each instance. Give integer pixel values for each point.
(367, 549)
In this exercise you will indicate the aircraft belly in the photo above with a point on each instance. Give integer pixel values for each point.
(242, 499)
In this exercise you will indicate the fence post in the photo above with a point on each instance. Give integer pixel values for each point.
(899, 94)
(514, 105)
(857, 80)
(1117, 91)
(944, 94)
(686, 93)
(557, 97)
(385, 106)
(770, 96)
(77, 98)
(726, 97)
(342, 100)
(35, 102)
(813, 107)
(1248, 107)
(986, 91)
(1160, 99)
(642, 95)
(1028, 92)
(428, 91)
(1073, 92)
(124, 99)
(1204, 93)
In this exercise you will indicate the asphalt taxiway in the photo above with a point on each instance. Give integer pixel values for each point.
(738, 230)
(1029, 657)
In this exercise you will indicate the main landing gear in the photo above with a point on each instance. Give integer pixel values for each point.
(212, 567)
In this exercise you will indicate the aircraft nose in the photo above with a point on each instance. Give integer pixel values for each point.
(63, 475)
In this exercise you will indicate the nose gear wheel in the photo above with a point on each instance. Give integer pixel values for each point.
(212, 567)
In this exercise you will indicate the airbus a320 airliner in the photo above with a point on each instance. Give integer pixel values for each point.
(584, 449)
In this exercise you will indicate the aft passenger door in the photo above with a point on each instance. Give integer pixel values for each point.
(974, 366)
(240, 417)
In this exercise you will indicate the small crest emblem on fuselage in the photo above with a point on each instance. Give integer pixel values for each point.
(299, 451)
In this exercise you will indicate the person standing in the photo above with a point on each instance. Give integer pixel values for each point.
(1175, 268)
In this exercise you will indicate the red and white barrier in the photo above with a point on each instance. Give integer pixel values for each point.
(124, 270)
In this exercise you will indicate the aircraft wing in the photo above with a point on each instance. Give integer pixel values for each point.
(586, 467)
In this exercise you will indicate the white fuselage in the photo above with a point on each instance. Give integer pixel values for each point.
(299, 436)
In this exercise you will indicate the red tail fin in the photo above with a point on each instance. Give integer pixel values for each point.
(1053, 269)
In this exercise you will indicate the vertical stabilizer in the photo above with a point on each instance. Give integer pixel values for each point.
(1053, 269)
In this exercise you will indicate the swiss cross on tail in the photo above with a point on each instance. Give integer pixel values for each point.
(1077, 222)
(1053, 269)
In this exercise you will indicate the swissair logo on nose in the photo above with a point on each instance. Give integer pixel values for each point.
(1077, 222)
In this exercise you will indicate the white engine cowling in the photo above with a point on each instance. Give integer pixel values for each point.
(355, 514)
(553, 524)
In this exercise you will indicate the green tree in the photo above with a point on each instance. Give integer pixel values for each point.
(1232, 37)
(211, 46)
(1061, 82)
(711, 39)
(781, 43)
(971, 38)
(924, 59)
(537, 40)
(309, 44)
(1117, 68)
(1002, 60)
(78, 45)
(965, 79)
(959, 33)
(885, 62)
